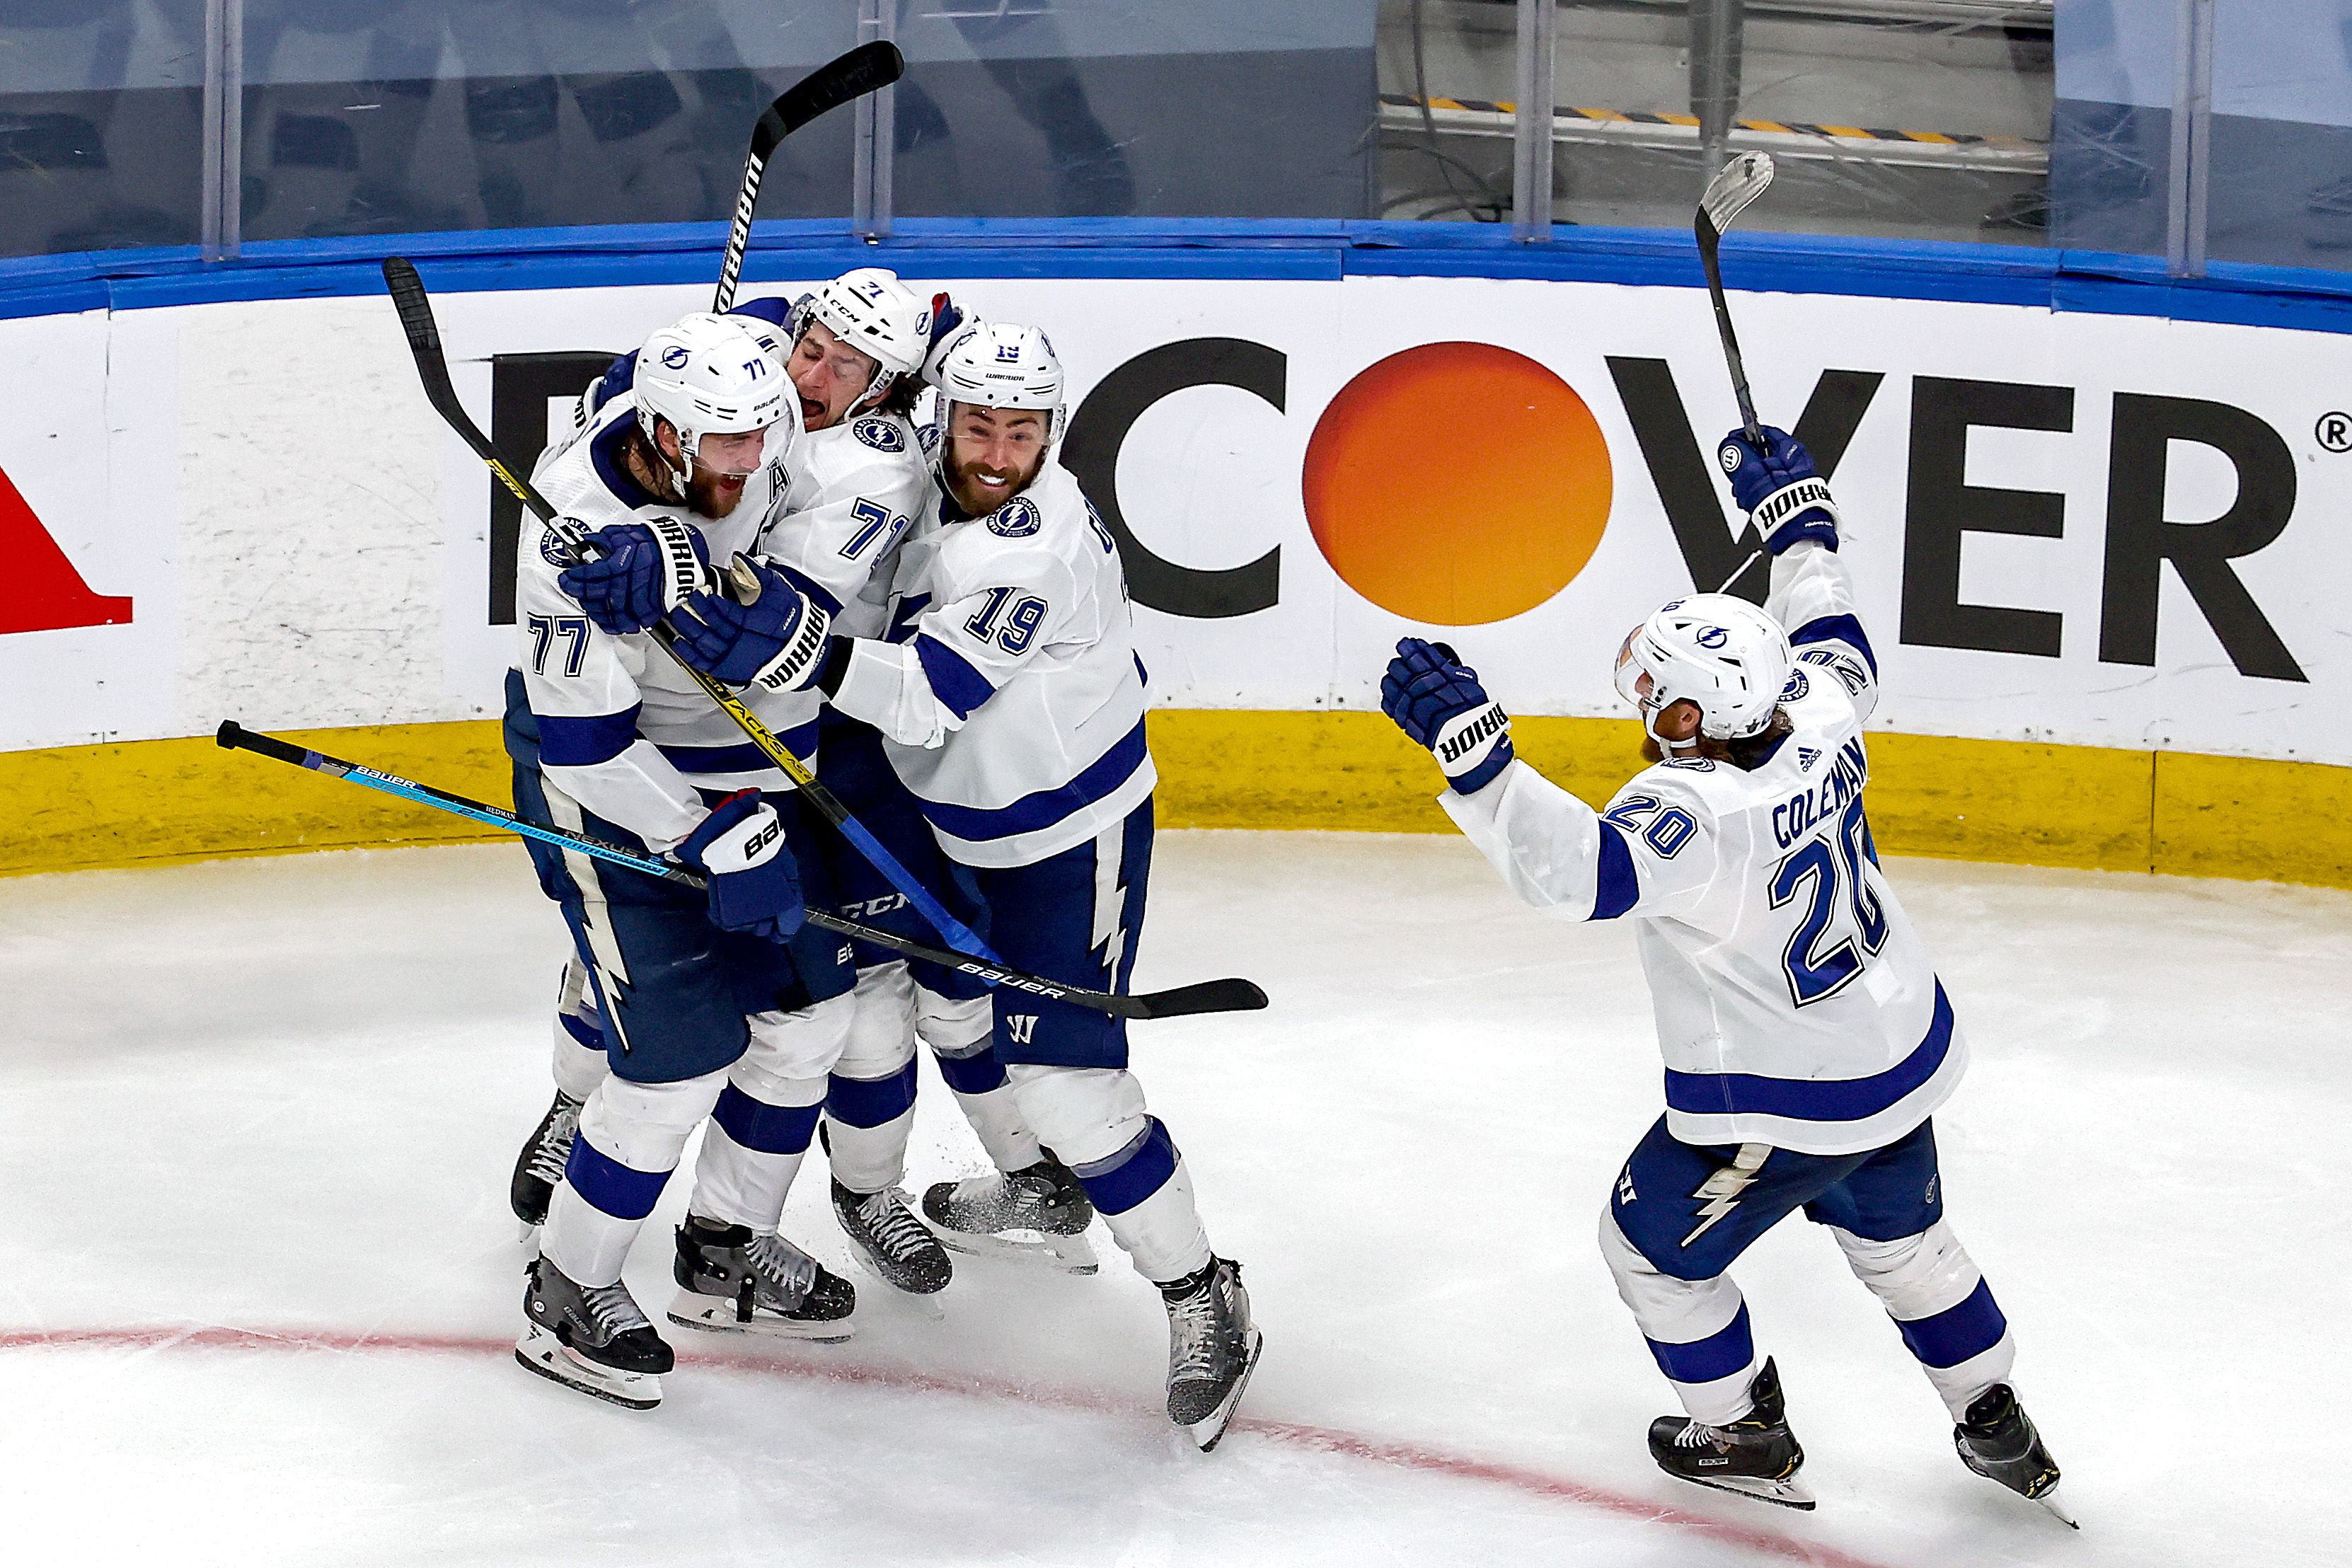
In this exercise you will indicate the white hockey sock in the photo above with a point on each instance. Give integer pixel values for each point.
(1697, 1329)
(1942, 1306)
(1010, 1146)
(631, 1135)
(579, 1062)
(1095, 1119)
(752, 1150)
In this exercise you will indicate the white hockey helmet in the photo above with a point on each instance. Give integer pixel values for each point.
(868, 308)
(1716, 651)
(712, 375)
(1000, 364)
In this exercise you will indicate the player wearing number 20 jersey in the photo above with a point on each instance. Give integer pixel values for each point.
(1806, 1037)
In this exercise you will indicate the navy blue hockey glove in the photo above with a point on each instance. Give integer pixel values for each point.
(755, 884)
(1437, 700)
(762, 632)
(649, 568)
(1780, 488)
(620, 376)
(948, 319)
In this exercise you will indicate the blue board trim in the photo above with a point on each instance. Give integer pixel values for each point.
(2097, 282)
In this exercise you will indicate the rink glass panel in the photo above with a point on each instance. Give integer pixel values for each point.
(101, 125)
(397, 116)
(1149, 109)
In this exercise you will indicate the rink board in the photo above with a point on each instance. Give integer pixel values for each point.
(151, 802)
(2101, 556)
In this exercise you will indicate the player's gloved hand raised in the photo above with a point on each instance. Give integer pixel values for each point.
(1437, 700)
(948, 320)
(762, 631)
(755, 884)
(649, 568)
(1777, 485)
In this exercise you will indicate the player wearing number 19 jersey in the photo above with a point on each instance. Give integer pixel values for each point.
(1806, 1038)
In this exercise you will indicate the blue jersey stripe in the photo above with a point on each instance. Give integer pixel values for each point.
(569, 741)
(743, 757)
(1047, 806)
(1836, 628)
(1814, 1100)
(1618, 888)
(953, 679)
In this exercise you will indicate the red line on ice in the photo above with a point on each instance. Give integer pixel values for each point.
(1401, 1456)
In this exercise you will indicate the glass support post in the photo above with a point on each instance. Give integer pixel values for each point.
(220, 221)
(877, 137)
(2192, 142)
(1531, 122)
(1717, 45)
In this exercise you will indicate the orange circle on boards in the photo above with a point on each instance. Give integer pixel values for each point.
(1457, 484)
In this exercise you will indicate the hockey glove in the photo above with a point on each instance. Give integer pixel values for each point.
(768, 633)
(1437, 700)
(755, 885)
(1778, 487)
(649, 568)
(946, 321)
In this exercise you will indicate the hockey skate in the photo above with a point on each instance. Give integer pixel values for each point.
(1212, 1348)
(593, 1338)
(1038, 1213)
(1755, 1456)
(1998, 1440)
(734, 1279)
(894, 1246)
(541, 1165)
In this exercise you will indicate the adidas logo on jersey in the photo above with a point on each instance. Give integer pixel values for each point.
(1807, 756)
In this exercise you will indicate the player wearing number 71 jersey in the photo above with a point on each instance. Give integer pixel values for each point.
(1806, 1038)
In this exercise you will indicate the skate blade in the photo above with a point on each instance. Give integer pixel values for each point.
(1210, 1430)
(541, 1351)
(715, 1314)
(925, 1305)
(2057, 1505)
(1064, 1254)
(1786, 1492)
(525, 1232)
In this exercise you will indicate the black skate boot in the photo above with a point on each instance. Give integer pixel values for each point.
(1755, 1456)
(734, 1279)
(1213, 1347)
(1998, 1441)
(1040, 1212)
(890, 1241)
(592, 1338)
(541, 1165)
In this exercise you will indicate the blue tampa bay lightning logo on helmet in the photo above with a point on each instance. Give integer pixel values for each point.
(1016, 519)
(881, 435)
(675, 356)
(1713, 637)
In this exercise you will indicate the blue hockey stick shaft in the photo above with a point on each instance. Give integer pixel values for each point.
(1183, 1001)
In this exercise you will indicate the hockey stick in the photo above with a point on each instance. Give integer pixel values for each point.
(1207, 996)
(869, 68)
(1736, 184)
(415, 309)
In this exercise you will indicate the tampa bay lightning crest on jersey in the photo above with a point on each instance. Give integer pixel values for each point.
(1016, 519)
(881, 435)
(557, 552)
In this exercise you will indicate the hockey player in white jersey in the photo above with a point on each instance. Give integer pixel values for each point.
(854, 350)
(1010, 699)
(742, 1025)
(1806, 1038)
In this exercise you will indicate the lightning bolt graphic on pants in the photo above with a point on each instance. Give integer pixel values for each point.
(1722, 1189)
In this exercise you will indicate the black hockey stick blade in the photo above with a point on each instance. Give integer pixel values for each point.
(423, 335)
(1205, 996)
(869, 68)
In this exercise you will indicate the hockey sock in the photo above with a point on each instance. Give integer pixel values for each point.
(752, 1150)
(579, 1061)
(871, 1121)
(1145, 1196)
(1697, 1329)
(631, 1135)
(1942, 1307)
(979, 1085)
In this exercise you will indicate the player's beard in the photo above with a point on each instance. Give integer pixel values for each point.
(977, 501)
(712, 495)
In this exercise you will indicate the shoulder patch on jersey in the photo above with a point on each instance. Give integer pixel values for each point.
(551, 548)
(1016, 519)
(1695, 764)
(881, 435)
(1796, 687)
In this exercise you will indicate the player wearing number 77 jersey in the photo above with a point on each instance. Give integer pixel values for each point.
(1806, 1037)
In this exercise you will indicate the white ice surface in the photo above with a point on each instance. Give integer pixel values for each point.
(257, 1277)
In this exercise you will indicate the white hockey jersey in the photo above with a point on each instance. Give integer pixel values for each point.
(1007, 688)
(623, 730)
(1796, 1007)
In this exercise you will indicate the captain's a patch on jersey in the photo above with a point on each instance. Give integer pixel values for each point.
(881, 435)
(1016, 519)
